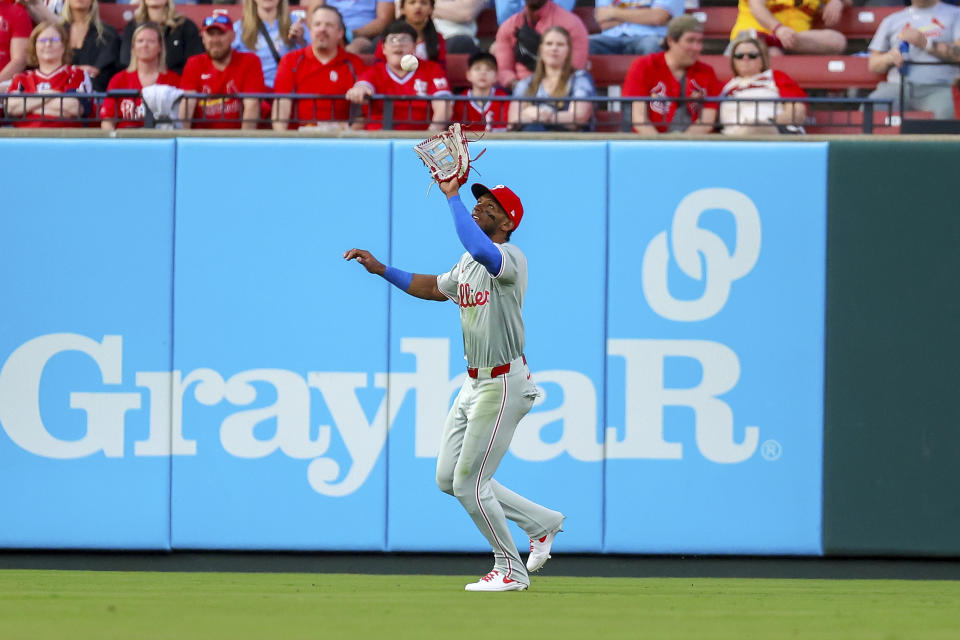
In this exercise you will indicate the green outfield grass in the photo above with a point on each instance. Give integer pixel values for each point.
(85, 604)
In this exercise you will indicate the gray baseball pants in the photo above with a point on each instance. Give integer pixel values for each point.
(475, 438)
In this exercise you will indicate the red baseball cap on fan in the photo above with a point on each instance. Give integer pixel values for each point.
(505, 198)
(217, 20)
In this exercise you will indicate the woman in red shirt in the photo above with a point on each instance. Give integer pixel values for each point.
(147, 68)
(48, 58)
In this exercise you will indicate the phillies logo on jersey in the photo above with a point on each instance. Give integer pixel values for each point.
(469, 298)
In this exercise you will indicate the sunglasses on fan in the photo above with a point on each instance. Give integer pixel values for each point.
(220, 19)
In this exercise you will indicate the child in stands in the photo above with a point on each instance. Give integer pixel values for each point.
(480, 113)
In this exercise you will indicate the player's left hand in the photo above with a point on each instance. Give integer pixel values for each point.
(364, 257)
(450, 187)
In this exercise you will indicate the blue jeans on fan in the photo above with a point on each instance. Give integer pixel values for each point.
(624, 45)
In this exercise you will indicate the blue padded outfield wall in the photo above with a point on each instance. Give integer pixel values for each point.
(189, 363)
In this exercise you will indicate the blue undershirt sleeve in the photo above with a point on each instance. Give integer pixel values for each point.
(474, 240)
(398, 278)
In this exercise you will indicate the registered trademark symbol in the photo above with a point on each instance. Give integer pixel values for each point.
(771, 450)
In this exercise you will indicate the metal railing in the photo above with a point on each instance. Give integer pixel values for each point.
(906, 87)
(608, 114)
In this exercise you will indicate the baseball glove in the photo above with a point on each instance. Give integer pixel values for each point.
(446, 154)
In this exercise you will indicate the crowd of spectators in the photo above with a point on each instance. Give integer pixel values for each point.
(533, 76)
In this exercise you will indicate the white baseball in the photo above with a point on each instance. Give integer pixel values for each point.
(409, 62)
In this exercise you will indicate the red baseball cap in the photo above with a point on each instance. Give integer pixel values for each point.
(217, 20)
(505, 198)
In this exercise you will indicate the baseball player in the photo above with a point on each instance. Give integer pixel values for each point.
(488, 283)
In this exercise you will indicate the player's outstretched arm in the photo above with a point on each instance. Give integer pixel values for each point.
(472, 237)
(416, 284)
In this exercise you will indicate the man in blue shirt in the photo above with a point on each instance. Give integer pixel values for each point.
(633, 27)
(365, 21)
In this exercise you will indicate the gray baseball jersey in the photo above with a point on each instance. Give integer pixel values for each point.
(490, 306)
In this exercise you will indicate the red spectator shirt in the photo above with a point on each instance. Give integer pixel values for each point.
(408, 115)
(129, 111)
(66, 79)
(243, 74)
(420, 51)
(14, 23)
(301, 72)
(492, 116)
(650, 76)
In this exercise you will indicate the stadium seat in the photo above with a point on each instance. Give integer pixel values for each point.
(589, 21)
(810, 72)
(117, 15)
(813, 72)
(457, 70)
(860, 23)
(609, 70)
(716, 21)
(487, 24)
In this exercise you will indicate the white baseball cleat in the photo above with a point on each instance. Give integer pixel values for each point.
(540, 551)
(495, 581)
